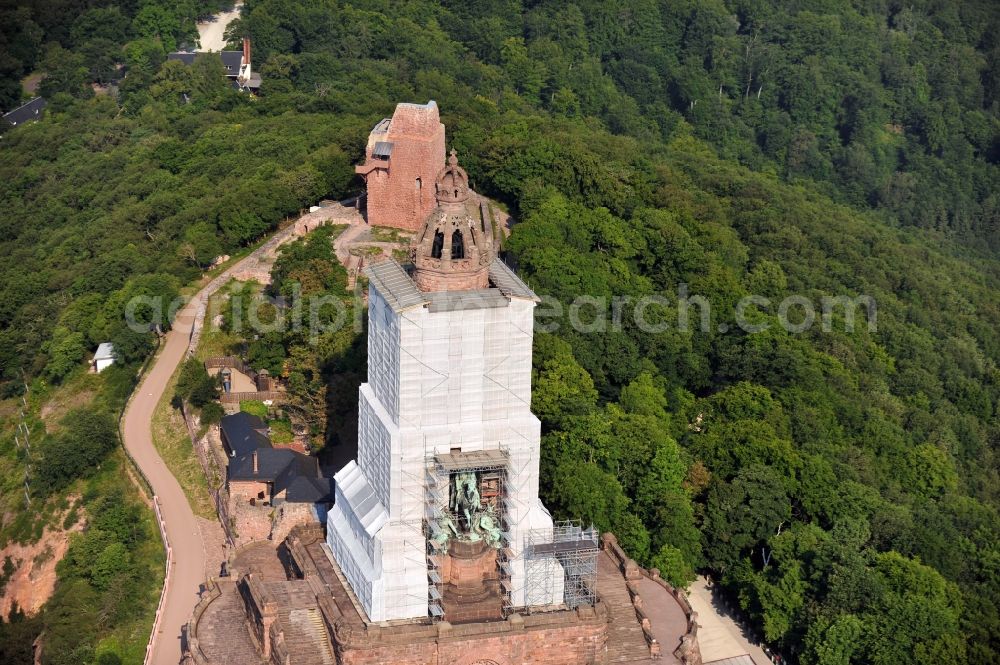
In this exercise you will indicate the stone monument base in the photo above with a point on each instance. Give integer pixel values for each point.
(472, 585)
(280, 616)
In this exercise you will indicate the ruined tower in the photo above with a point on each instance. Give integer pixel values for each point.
(402, 159)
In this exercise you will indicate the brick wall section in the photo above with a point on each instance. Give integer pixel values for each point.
(562, 638)
(553, 638)
(250, 522)
(291, 515)
(247, 489)
(430, 281)
(401, 189)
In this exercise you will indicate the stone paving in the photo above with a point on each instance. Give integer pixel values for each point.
(224, 638)
(263, 559)
(667, 620)
(214, 545)
(719, 636)
(222, 632)
(626, 643)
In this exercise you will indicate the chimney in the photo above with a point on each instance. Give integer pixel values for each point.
(255, 462)
(244, 74)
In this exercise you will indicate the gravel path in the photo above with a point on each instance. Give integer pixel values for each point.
(719, 636)
(211, 34)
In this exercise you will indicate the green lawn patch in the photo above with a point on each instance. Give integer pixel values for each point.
(254, 407)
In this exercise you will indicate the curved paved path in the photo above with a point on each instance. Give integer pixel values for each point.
(666, 618)
(187, 570)
(187, 563)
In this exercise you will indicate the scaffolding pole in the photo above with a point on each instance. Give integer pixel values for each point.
(573, 548)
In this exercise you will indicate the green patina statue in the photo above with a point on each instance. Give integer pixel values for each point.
(486, 525)
(475, 522)
(465, 497)
(448, 530)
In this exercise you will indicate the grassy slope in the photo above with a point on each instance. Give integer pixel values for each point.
(48, 404)
(128, 639)
(170, 435)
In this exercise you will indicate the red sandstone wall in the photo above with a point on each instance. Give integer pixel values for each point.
(247, 489)
(445, 281)
(577, 645)
(394, 199)
(580, 644)
(291, 515)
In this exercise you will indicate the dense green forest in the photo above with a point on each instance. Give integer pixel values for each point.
(843, 486)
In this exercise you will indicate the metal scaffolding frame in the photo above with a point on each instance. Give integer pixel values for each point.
(438, 479)
(571, 546)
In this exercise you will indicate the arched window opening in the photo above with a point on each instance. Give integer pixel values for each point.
(438, 245)
(457, 245)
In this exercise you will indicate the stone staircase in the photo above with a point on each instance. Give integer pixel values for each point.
(306, 637)
(626, 643)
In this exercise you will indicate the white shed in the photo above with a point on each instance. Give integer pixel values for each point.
(104, 356)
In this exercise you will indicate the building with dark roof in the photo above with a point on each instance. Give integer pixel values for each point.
(303, 489)
(231, 60)
(243, 433)
(236, 64)
(32, 110)
(278, 475)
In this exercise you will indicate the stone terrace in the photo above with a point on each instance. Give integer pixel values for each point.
(261, 558)
(626, 643)
(638, 613)
(667, 619)
(222, 636)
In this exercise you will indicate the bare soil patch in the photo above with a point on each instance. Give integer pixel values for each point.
(34, 579)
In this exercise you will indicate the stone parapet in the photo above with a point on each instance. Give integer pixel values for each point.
(261, 611)
(257, 615)
(194, 654)
(563, 637)
(688, 653)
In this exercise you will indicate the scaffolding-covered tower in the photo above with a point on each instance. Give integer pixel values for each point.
(449, 376)
(448, 399)
(571, 547)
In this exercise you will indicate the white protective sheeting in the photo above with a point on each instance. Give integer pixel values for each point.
(361, 498)
(445, 372)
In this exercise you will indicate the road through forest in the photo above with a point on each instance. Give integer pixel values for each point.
(187, 565)
(187, 569)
